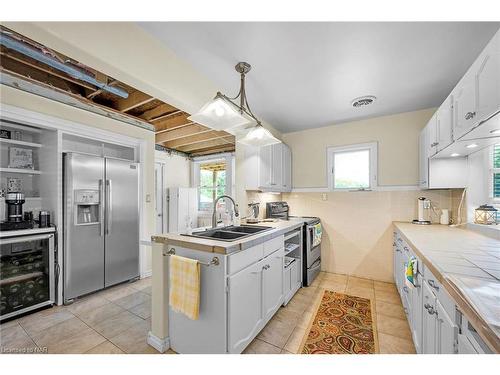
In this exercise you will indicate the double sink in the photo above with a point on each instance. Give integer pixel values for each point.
(231, 233)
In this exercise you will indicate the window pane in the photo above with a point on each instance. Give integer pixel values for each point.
(496, 185)
(496, 156)
(205, 198)
(206, 178)
(352, 169)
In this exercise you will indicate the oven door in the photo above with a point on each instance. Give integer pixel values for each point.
(312, 253)
(27, 274)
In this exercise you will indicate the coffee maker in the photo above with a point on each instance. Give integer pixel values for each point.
(424, 207)
(14, 202)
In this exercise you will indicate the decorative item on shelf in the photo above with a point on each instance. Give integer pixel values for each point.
(2, 192)
(14, 185)
(445, 217)
(486, 215)
(222, 113)
(21, 158)
(17, 135)
(5, 134)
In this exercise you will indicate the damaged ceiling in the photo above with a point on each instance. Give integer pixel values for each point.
(30, 66)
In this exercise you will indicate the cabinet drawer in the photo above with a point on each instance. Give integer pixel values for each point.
(236, 262)
(440, 293)
(272, 245)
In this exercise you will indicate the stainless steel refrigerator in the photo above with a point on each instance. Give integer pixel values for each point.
(101, 223)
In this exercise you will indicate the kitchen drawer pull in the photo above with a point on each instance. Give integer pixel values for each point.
(406, 290)
(430, 309)
(398, 249)
(470, 115)
(406, 249)
(433, 284)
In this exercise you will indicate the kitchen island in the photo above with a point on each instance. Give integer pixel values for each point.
(242, 287)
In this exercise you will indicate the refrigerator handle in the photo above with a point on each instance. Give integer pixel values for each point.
(101, 207)
(109, 208)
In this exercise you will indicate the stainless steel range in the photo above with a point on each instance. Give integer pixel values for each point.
(311, 264)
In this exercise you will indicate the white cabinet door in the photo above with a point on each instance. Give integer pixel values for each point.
(276, 166)
(245, 310)
(447, 332)
(444, 124)
(266, 166)
(432, 136)
(488, 84)
(286, 183)
(464, 106)
(273, 283)
(424, 158)
(429, 322)
(416, 301)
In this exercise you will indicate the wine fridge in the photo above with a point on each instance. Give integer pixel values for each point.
(26, 274)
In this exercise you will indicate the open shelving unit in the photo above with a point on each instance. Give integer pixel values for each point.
(293, 263)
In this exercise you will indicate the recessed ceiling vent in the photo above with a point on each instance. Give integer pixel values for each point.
(363, 101)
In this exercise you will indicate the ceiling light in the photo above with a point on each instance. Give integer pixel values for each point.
(222, 113)
(363, 101)
(472, 145)
(259, 136)
(496, 131)
(454, 155)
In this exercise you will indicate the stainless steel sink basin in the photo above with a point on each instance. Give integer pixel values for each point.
(231, 233)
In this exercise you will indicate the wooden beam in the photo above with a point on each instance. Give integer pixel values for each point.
(208, 144)
(135, 99)
(157, 111)
(97, 92)
(213, 150)
(174, 113)
(200, 137)
(172, 122)
(182, 132)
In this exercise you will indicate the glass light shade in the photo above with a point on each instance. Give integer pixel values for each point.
(259, 136)
(219, 114)
(485, 215)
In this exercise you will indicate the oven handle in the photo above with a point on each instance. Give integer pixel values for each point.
(26, 239)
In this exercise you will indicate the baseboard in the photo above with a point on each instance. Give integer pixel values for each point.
(146, 274)
(162, 345)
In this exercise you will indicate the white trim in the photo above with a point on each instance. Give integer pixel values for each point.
(378, 188)
(162, 345)
(372, 147)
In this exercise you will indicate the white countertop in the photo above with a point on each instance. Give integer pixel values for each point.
(467, 263)
(225, 247)
(26, 232)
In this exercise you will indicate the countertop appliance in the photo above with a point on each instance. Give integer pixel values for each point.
(101, 223)
(424, 206)
(27, 277)
(253, 212)
(311, 260)
(14, 202)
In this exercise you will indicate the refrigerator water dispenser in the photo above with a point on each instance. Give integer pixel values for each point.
(87, 207)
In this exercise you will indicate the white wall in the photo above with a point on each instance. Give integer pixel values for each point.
(396, 135)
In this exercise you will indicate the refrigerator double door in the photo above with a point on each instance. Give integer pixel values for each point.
(104, 251)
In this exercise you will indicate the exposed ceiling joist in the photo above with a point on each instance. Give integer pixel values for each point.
(157, 111)
(198, 138)
(188, 130)
(172, 122)
(134, 100)
(213, 150)
(208, 144)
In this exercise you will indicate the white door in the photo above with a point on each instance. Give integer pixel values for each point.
(424, 158)
(488, 85)
(265, 166)
(464, 106)
(245, 310)
(286, 182)
(447, 332)
(429, 323)
(273, 283)
(432, 136)
(277, 167)
(159, 199)
(444, 124)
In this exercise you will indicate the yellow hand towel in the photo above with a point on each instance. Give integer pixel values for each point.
(184, 296)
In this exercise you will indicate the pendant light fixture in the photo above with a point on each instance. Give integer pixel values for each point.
(222, 113)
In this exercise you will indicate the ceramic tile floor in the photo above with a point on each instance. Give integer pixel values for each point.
(113, 321)
(117, 320)
(284, 333)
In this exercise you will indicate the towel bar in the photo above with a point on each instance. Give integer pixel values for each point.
(215, 260)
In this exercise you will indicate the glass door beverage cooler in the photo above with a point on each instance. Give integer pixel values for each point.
(26, 274)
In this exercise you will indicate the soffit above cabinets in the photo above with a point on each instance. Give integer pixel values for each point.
(30, 66)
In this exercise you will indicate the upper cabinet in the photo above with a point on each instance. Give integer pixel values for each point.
(488, 80)
(268, 168)
(464, 105)
(444, 124)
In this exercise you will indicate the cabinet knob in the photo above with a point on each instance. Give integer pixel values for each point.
(406, 290)
(470, 115)
(433, 284)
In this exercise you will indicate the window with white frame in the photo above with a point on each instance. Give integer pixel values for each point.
(495, 177)
(352, 167)
(213, 176)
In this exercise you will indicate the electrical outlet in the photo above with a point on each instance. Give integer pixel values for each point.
(148, 198)
(324, 196)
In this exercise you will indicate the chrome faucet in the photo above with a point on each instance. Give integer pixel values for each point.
(214, 214)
